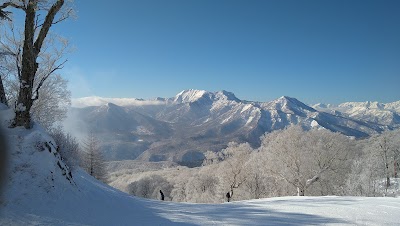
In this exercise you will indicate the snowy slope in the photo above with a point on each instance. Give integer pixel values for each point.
(41, 191)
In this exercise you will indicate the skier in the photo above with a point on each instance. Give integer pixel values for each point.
(162, 195)
(228, 196)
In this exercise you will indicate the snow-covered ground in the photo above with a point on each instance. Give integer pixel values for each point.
(40, 191)
(98, 204)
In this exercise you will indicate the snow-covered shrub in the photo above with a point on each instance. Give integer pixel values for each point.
(202, 188)
(68, 147)
(149, 187)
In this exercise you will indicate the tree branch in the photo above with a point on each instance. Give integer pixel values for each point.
(12, 4)
(17, 64)
(47, 24)
(5, 14)
(64, 17)
(60, 66)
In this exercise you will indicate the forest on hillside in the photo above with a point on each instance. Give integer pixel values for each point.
(289, 162)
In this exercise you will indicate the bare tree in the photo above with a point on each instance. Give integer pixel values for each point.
(92, 160)
(35, 31)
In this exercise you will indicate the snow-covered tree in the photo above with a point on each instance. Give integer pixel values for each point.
(149, 187)
(3, 98)
(302, 158)
(202, 187)
(231, 165)
(259, 183)
(371, 173)
(39, 17)
(54, 96)
(68, 147)
(52, 105)
(92, 160)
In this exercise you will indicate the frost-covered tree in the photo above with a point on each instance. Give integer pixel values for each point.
(202, 187)
(68, 147)
(54, 97)
(302, 158)
(386, 147)
(231, 165)
(365, 177)
(92, 158)
(3, 98)
(259, 183)
(54, 100)
(39, 17)
(378, 162)
(150, 186)
(3, 54)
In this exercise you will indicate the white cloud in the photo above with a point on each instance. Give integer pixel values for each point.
(98, 101)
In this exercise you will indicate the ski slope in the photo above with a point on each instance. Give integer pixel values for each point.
(99, 204)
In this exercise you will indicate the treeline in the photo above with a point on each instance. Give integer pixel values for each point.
(288, 162)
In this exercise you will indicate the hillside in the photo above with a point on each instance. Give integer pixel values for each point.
(181, 128)
(42, 190)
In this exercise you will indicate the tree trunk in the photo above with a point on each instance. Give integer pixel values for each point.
(300, 191)
(387, 171)
(29, 67)
(3, 98)
(22, 112)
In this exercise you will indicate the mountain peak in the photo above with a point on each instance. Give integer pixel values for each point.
(190, 95)
(223, 94)
(110, 107)
(193, 95)
(287, 98)
(289, 104)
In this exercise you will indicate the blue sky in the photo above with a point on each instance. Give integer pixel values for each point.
(316, 51)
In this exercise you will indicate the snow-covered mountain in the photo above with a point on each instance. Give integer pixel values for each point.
(183, 127)
(375, 112)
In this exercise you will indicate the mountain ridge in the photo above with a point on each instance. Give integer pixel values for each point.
(183, 127)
